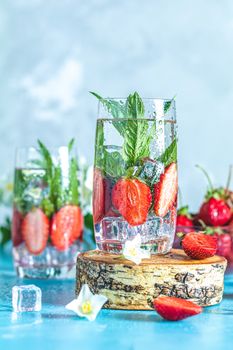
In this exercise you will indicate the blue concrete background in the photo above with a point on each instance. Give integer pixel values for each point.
(53, 52)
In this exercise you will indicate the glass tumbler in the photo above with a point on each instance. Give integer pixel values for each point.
(135, 176)
(47, 219)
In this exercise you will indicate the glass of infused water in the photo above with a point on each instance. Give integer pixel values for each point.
(135, 173)
(47, 220)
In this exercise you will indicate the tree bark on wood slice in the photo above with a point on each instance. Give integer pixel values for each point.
(134, 287)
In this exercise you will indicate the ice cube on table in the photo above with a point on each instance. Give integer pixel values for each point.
(26, 298)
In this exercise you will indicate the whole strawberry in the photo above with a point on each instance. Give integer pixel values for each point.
(215, 210)
(224, 243)
(222, 236)
(184, 218)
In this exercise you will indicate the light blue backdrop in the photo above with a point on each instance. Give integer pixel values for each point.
(54, 51)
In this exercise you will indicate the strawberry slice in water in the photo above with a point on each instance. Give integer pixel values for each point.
(98, 196)
(132, 198)
(165, 191)
(35, 231)
(17, 219)
(67, 226)
(175, 309)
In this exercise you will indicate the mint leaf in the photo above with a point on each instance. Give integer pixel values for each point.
(5, 231)
(47, 159)
(136, 143)
(170, 154)
(99, 144)
(73, 183)
(47, 206)
(167, 104)
(115, 108)
(113, 164)
(136, 139)
(134, 106)
(71, 144)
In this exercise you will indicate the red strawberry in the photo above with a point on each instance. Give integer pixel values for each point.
(17, 219)
(184, 218)
(67, 226)
(175, 309)
(165, 191)
(215, 211)
(198, 245)
(98, 196)
(35, 231)
(224, 243)
(132, 198)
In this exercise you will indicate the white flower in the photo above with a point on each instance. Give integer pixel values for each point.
(87, 304)
(132, 250)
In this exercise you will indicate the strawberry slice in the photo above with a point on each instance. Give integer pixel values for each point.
(67, 226)
(132, 198)
(165, 191)
(35, 231)
(175, 309)
(198, 245)
(17, 219)
(98, 196)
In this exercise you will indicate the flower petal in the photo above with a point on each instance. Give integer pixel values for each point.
(73, 305)
(97, 302)
(84, 294)
(137, 241)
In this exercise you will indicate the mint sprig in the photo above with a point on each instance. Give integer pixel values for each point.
(58, 195)
(137, 135)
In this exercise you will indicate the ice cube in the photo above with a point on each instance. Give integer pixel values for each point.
(26, 298)
(151, 171)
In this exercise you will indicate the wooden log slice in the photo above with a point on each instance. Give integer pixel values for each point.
(134, 287)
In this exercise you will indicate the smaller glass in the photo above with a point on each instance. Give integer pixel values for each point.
(47, 219)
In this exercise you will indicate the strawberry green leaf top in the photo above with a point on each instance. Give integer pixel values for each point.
(184, 211)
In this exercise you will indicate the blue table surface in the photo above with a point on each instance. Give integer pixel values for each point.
(57, 328)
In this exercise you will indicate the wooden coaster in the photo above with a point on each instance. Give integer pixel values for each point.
(134, 287)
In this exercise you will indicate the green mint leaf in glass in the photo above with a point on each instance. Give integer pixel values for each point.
(48, 162)
(168, 104)
(116, 109)
(5, 231)
(136, 145)
(170, 154)
(134, 106)
(71, 144)
(73, 182)
(99, 150)
(47, 206)
(113, 164)
(136, 138)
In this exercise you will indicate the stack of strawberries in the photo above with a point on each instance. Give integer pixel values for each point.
(214, 219)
